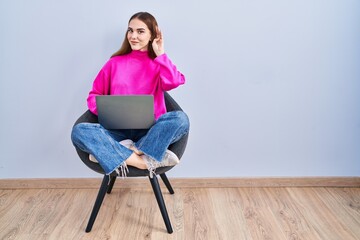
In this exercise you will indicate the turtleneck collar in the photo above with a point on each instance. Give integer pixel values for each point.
(138, 53)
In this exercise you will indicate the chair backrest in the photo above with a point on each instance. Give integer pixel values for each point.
(178, 148)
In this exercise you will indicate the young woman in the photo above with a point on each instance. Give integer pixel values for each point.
(139, 67)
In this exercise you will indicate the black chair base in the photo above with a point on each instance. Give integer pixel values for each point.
(107, 185)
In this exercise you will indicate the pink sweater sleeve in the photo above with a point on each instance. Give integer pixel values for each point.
(100, 87)
(169, 75)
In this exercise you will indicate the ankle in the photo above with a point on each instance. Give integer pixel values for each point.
(136, 161)
(135, 150)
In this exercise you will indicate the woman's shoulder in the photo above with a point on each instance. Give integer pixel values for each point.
(117, 58)
(113, 61)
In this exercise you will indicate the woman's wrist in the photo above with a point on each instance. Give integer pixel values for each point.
(159, 53)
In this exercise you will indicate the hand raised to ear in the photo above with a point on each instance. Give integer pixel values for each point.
(158, 43)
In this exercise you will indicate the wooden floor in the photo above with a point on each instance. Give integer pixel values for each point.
(196, 213)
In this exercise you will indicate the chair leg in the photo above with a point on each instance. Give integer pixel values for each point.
(159, 197)
(100, 197)
(167, 183)
(112, 181)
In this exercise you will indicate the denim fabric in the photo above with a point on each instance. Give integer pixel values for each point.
(104, 144)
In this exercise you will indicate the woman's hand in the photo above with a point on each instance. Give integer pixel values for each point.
(158, 43)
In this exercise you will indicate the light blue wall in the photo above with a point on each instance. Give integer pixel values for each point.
(272, 86)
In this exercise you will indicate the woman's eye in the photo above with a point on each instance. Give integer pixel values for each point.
(129, 30)
(141, 32)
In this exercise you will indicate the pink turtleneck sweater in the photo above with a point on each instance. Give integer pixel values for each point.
(136, 74)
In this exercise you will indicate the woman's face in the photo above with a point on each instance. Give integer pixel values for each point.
(138, 35)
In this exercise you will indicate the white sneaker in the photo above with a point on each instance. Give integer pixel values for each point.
(93, 159)
(127, 143)
(170, 159)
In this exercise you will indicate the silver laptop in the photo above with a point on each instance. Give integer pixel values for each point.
(125, 111)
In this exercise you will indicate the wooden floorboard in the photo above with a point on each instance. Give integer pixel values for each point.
(196, 213)
(93, 183)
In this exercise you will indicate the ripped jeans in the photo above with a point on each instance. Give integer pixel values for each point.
(104, 144)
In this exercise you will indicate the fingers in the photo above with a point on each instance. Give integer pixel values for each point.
(159, 35)
(158, 43)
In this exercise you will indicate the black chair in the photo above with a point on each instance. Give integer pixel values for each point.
(108, 181)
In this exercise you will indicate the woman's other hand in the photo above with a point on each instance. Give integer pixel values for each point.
(158, 43)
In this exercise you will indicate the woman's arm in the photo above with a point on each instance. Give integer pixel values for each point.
(170, 77)
(101, 86)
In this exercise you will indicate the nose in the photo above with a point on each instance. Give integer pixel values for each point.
(133, 35)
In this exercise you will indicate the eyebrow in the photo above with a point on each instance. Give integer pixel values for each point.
(137, 28)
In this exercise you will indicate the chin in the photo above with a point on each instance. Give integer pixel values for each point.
(137, 48)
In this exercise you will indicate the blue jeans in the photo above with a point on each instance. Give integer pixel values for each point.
(104, 144)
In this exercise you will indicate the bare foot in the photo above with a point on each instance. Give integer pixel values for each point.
(136, 161)
(135, 150)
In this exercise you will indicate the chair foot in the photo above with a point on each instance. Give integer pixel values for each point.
(159, 197)
(99, 199)
(167, 183)
(111, 184)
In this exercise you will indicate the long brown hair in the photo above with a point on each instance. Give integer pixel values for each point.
(151, 23)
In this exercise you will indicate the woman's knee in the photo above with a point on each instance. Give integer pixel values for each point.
(183, 119)
(179, 118)
(76, 132)
(79, 131)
